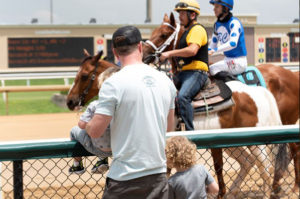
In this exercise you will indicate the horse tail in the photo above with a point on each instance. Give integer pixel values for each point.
(282, 160)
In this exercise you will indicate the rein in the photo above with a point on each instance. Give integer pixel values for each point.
(86, 90)
(160, 49)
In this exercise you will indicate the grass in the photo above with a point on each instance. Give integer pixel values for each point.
(32, 102)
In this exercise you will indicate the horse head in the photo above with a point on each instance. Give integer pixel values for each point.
(163, 38)
(85, 85)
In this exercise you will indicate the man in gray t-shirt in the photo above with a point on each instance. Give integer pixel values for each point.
(138, 103)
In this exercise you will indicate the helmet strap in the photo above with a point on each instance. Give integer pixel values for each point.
(190, 21)
(224, 14)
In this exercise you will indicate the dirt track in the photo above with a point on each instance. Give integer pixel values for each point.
(41, 126)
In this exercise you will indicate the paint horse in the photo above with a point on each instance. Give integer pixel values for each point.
(249, 107)
(281, 82)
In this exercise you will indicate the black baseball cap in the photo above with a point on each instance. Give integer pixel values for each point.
(125, 36)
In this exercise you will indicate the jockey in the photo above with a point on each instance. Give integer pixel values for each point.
(191, 58)
(229, 32)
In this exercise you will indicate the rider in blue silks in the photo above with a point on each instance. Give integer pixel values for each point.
(229, 33)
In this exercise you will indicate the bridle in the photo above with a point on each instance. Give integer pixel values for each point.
(86, 90)
(160, 49)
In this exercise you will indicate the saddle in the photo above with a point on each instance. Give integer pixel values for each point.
(215, 96)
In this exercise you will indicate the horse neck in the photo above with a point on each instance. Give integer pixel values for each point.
(173, 62)
(181, 31)
(171, 47)
(103, 65)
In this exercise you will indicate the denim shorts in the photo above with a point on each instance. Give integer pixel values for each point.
(92, 145)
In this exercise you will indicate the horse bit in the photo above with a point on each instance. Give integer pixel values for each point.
(160, 49)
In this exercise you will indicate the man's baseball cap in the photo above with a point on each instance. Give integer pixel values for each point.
(125, 36)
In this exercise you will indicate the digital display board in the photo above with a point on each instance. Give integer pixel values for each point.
(294, 46)
(273, 50)
(43, 52)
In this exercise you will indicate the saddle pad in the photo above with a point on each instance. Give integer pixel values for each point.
(214, 108)
(209, 91)
(252, 77)
(209, 101)
(216, 88)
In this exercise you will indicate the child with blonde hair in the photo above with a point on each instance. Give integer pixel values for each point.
(97, 146)
(191, 180)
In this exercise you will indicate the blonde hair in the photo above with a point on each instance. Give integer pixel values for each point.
(106, 74)
(180, 152)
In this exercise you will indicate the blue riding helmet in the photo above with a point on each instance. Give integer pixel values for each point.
(226, 3)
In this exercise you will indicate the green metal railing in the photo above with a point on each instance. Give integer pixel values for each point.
(18, 153)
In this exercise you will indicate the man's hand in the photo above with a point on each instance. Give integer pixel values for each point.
(164, 56)
(211, 52)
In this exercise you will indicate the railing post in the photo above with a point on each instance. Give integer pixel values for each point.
(5, 94)
(18, 179)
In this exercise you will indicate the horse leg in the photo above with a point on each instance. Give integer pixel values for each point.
(246, 161)
(262, 162)
(218, 165)
(295, 152)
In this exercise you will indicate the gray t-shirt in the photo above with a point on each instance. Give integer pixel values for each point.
(190, 184)
(139, 99)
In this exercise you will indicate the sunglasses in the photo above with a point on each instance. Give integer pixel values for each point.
(181, 5)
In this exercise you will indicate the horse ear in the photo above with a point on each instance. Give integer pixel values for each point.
(166, 18)
(97, 57)
(172, 19)
(86, 53)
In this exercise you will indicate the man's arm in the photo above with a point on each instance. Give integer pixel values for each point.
(171, 125)
(97, 126)
(189, 51)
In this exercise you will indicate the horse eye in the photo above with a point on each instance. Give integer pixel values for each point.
(163, 36)
(84, 77)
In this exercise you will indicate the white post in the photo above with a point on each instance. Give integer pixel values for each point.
(66, 80)
(3, 94)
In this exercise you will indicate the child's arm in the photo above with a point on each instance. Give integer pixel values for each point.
(82, 124)
(87, 115)
(213, 187)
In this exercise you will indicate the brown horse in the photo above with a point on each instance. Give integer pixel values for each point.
(283, 84)
(85, 85)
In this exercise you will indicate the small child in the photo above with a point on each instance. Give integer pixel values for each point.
(191, 180)
(98, 146)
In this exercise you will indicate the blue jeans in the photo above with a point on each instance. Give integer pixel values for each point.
(92, 145)
(189, 84)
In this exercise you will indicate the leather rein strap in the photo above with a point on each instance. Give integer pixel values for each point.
(86, 90)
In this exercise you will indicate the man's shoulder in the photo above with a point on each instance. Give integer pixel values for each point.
(198, 27)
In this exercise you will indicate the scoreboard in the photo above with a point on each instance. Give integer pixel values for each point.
(45, 52)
